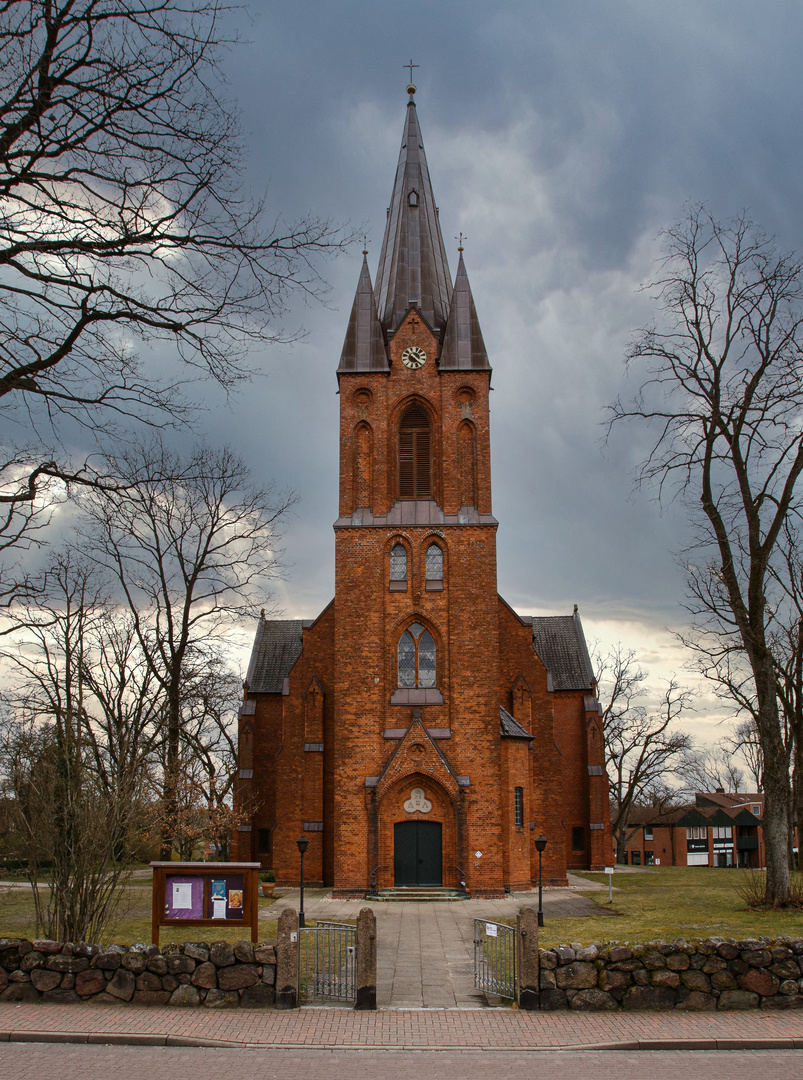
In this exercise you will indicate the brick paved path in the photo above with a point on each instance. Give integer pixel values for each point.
(425, 952)
(401, 1029)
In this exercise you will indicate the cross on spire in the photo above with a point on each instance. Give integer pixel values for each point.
(411, 65)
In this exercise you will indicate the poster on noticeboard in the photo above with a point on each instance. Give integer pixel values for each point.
(185, 897)
(226, 897)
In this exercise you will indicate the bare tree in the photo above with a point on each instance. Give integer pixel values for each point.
(642, 746)
(71, 814)
(709, 769)
(123, 229)
(192, 549)
(724, 389)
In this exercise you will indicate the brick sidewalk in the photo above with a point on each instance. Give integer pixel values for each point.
(398, 1029)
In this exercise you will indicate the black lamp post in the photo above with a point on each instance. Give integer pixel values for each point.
(540, 844)
(302, 844)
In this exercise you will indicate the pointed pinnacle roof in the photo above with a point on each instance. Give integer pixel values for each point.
(364, 347)
(463, 346)
(413, 268)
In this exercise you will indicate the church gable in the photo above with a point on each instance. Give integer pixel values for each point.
(417, 754)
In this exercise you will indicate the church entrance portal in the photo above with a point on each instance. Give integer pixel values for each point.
(417, 853)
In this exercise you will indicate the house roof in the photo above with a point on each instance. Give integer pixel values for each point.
(277, 646)
(560, 643)
(730, 799)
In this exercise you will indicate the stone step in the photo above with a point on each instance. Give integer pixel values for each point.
(411, 894)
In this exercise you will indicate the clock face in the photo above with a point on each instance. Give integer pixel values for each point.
(414, 357)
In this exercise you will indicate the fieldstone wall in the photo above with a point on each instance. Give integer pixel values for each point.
(215, 975)
(755, 973)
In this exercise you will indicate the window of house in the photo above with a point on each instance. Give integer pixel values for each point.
(518, 807)
(649, 858)
(263, 841)
(648, 832)
(398, 567)
(578, 838)
(757, 809)
(723, 832)
(416, 656)
(635, 858)
(697, 832)
(415, 470)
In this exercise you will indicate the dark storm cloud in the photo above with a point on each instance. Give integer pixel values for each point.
(561, 137)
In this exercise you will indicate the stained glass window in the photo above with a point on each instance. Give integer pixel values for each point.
(434, 563)
(417, 659)
(398, 563)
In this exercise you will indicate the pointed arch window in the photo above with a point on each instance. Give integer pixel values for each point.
(434, 568)
(417, 659)
(415, 465)
(398, 568)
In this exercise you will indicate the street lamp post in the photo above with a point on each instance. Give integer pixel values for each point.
(302, 844)
(540, 844)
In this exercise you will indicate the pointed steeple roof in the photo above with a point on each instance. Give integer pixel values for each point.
(364, 347)
(463, 346)
(413, 268)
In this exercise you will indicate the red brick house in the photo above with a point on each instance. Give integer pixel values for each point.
(419, 732)
(720, 829)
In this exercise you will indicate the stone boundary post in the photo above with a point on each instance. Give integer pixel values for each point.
(528, 974)
(366, 960)
(287, 960)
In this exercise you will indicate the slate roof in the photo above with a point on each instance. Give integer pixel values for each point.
(510, 727)
(277, 646)
(364, 347)
(559, 641)
(413, 268)
(463, 344)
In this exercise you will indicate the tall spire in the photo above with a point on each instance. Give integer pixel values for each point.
(463, 345)
(364, 347)
(412, 266)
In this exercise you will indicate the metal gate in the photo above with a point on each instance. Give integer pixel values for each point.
(495, 958)
(327, 963)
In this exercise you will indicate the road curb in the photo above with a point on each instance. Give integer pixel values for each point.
(117, 1038)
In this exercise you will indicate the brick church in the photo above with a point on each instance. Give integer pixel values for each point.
(419, 732)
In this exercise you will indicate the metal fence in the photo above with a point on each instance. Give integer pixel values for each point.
(327, 963)
(495, 958)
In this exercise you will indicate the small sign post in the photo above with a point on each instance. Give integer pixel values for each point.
(609, 872)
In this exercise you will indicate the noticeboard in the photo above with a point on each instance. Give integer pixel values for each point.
(204, 894)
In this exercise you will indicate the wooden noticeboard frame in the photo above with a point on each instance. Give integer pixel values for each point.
(196, 881)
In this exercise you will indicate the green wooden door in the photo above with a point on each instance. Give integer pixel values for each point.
(417, 853)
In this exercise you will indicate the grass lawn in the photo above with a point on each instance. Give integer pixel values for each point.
(671, 902)
(133, 922)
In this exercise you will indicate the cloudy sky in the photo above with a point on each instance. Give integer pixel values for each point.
(561, 138)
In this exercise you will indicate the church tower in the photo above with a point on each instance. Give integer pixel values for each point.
(419, 730)
(417, 657)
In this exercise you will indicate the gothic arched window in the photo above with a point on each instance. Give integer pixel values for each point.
(434, 567)
(415, 467)
(398, 566)
(417, 658)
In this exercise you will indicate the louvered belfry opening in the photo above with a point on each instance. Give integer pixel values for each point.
(415, 465)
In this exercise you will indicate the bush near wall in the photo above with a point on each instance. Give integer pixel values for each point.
(215, 975)
(755, 973)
